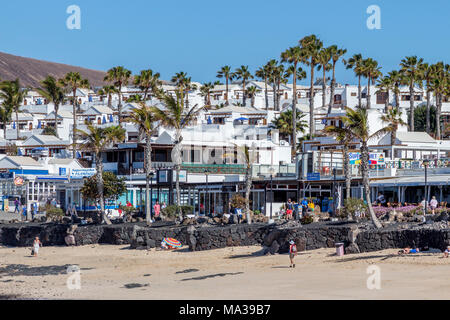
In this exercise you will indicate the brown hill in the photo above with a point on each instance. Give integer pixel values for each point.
(32, 71)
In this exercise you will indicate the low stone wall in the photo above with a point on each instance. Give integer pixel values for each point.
(274, 238)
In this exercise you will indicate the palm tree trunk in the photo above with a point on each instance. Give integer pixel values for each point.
(333, 84)
(186, 92)
(411, 107)
(177, 159)
(348, 177)
(56, 119)
(274, 89)
(148, 168)
(397, 98)
(359, 92)
(226, 103)
(368, 93)
(438, 116)
(109, 100)
(244, 97)
(74, 133)
(428, 122)
(145, 94)
(311, 103)
(386, 103)
(266, 96)
(17, 123)
(278, 96)
(294, 108)
(99, 165)
(119, 107)
(248, 187)
(366, 182)
(324, 89)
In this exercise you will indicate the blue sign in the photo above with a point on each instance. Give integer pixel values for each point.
(62, 171)
(314, 176)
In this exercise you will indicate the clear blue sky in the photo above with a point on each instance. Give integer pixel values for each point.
(199, 36)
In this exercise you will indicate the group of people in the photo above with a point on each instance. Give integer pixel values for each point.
(22, 209)
(409, 250)
(432, 205)
(297, 210)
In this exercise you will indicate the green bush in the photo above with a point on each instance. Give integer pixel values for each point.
(307, 219)
(352, 206)
(53, 212)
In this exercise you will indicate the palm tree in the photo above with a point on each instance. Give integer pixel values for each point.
(73, 81)
(358, 123)
(143, 118)
(108, 91)
(428, 76)
(137, 98)
(371, 71)
(280, 76)
(225, 72)
(439, 85)
(294, 56)
(385, 85)
(252, 91)
(54, 92)
(345, 137)
(248, 158)
(272, 66)
(147, 81)
(284, 124)
(13, 96)
(244, 74)
(336, 54)
(263, 73)
(183, 83)
(412, 68)
(356, 63)
(5, 115)
(97, 140)
(396, 79)
(119, 77)
(312, 46)
(205, 91)
(324, 65)
(393, 118)
(175, 116)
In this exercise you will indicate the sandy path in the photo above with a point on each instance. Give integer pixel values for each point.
(231, 273)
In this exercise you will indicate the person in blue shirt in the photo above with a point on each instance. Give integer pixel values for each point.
(296, 210)
(304, 206)
(24, 212)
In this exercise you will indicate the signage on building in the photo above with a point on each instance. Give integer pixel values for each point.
(18, 181)
(374, 158)
(82, 173)
(313, 176)
(62, 171)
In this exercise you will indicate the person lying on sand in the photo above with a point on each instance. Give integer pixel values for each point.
(408, 250)
(447, 252)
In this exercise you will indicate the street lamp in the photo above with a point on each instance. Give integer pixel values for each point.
(207, 191)
(425, 164)
(335, 196)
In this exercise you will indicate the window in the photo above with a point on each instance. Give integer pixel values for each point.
(364, 95)
(406, 98)
(418, 97)
(353, 94)
(337, 98)
(382, 97)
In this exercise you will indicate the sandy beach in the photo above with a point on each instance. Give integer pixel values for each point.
(115, 272)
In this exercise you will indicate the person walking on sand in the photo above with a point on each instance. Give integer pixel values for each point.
(36, 244)
(157, 209)
(292, 253)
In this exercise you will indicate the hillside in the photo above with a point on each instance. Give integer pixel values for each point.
(31, 71)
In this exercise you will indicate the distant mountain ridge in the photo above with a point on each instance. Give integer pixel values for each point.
(32, 71)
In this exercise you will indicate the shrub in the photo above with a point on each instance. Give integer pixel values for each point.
(53, 212)
(307, 219)
(238, 201)
(355, 207)
(172, 211)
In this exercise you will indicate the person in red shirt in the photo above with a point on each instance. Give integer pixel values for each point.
(157, 209)
(292, 253)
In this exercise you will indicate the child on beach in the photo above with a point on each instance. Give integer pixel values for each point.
(447, 252)
(36, 244)
(408, 250)
(292, 253)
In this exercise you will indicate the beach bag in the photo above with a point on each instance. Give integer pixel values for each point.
(32, 251)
